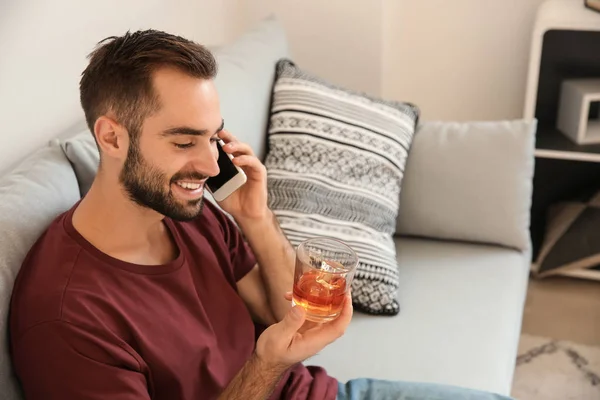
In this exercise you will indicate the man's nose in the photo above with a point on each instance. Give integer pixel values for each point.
(206, 162)
(214, 170)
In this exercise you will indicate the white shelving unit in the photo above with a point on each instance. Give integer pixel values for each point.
(583, 274)
(559, 26)
(568, 15)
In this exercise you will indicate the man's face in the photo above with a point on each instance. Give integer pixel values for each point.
(167, 166)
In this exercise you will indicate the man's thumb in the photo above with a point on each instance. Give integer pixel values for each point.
(292, 321)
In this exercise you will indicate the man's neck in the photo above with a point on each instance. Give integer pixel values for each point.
(117, 226)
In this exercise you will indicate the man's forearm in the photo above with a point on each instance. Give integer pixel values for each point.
(253, 382)
(276, 258)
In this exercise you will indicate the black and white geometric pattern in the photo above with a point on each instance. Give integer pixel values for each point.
(335, 164)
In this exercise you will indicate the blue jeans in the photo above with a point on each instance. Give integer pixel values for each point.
(373, 389)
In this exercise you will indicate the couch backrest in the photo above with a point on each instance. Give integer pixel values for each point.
(468, 181)
(31, 196)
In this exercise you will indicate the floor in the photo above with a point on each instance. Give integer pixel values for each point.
(556, 370)
(564, 309)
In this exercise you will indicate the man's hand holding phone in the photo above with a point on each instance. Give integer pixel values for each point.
(244, 201)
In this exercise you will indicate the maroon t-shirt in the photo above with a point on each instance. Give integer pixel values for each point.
(85, 325)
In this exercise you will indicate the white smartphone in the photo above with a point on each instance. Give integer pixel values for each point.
(230, 178)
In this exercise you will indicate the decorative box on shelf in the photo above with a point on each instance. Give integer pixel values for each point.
(578, 110)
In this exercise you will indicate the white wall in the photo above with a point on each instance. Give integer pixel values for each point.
(457, 60)
(460, 60)
(339, 40)
(44, 45)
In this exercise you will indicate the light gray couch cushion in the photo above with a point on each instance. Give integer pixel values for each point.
(459, 325)
(244, 81)
(470, 181)
(31, 196)
(82, 152)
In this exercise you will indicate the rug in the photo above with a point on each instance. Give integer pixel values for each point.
(556, 370)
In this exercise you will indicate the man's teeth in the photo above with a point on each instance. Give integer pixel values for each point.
(189, 185)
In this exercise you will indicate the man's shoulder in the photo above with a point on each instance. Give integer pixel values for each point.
(52, 247)
(44, 276)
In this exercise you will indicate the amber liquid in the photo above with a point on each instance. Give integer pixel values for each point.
(320, 293)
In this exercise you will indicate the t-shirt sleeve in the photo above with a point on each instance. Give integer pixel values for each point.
(58, 360)
(242, 257)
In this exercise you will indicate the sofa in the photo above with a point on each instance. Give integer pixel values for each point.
(462, 239)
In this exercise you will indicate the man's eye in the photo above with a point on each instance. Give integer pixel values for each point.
(183, 145)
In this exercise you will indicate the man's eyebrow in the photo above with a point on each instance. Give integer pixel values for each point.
(186, 130)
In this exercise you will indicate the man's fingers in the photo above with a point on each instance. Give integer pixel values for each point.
(313, 337)
(337, 327)
(308, 325)
(250, 162)
(234, 146)
(292, 321)
(227, 136)
(238, 149)
(347, 311)
(320, 335)
(288, 296)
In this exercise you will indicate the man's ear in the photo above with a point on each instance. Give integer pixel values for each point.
(112, 137)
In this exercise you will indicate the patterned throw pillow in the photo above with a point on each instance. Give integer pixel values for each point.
(335, 163)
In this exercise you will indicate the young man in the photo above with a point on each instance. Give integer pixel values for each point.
(144, 291)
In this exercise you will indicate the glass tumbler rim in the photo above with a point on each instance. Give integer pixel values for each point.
(350, 250)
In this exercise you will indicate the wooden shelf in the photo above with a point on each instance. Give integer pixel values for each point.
(591, 274)
(551, 143)
(588, 274)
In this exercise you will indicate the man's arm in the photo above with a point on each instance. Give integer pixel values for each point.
(59, 360)
(276, 260)
(254, 381)
(280, 346)
(275, 255)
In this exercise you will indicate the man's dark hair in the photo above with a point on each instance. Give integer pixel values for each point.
(119, 75)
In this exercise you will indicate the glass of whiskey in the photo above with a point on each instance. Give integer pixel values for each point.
(324, 271)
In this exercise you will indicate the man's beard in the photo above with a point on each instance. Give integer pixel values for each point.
(144, 184)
